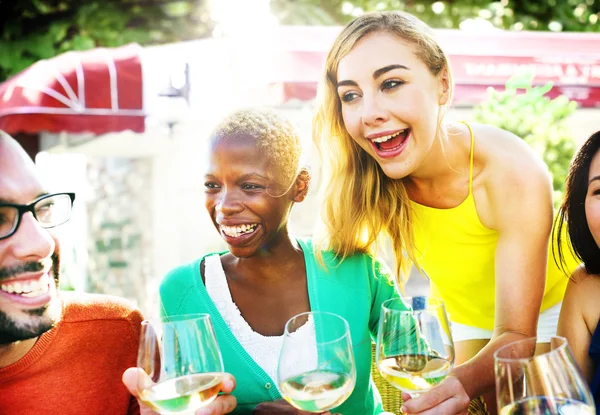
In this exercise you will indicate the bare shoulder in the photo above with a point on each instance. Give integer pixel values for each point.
(508, 158)
(583, 289)
(584, 285)
(502, 147)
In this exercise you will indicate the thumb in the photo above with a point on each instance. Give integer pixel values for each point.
(228, 384)
(135, 380)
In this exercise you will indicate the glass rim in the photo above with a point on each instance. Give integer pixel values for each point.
(497, 358)
(439, 304)
(346, 325)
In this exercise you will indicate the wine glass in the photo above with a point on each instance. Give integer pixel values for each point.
(180, 364)
(316, 370)
(546, 384)
(414, 351)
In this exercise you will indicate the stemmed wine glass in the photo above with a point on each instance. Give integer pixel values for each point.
(415, 351)
(316, 366)
(546, 384)
(180, 364)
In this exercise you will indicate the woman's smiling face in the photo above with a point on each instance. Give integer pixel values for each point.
(592, 199)
(390, 102)
(248, 204)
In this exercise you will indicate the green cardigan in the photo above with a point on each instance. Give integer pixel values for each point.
(353, 288)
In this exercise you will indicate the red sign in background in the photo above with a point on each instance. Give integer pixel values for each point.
(571, 61)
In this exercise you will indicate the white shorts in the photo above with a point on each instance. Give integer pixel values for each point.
(546, 328)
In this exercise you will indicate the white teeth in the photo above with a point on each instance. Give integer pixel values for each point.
(28, 289)
(34, 286)
(33, 294)
(45, 281)
(387, 137)
(235, 231)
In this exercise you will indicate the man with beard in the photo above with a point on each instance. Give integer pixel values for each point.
(60, 353)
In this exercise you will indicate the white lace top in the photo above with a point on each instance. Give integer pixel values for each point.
(264, 350)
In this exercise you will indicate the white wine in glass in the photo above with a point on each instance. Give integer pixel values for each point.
(546, 384)
(180, 364)
(316, 367)
(415, 351)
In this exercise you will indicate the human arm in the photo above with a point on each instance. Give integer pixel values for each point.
(517, 202)
(580, 301)
(224, 403)
(512, 196)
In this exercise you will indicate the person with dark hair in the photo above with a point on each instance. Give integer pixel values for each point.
(580, 214)
(60, 353)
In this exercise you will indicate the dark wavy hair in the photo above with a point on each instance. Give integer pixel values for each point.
(572, 211)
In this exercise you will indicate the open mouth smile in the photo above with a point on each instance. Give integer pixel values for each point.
(238, 230)
(28, 291)
(392, 144)
(239, 235)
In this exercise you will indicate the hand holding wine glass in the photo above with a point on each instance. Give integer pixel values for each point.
(546, 384)
(224, 403)
(316, 367)
(415, 351)
(180, 368)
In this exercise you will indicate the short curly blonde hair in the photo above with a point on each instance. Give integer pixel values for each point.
(274, 134)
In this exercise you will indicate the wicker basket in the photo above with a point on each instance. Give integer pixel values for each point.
(392, 398)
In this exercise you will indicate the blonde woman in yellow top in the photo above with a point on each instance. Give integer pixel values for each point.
(469, 204)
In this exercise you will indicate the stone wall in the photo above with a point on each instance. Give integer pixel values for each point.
(119, 211)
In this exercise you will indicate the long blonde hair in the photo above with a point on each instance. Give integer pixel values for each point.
(361, 203)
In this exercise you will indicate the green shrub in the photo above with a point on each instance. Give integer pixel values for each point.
(524, 110)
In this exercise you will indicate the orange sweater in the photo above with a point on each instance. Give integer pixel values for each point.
(76, 368)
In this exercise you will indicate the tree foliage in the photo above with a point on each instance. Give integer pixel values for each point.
(39, 29)
(31, 30)
(555, 15)
(526, 111)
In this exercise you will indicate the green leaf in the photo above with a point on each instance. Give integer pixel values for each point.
(177, 9)
(544, 89)
(537, 119)
(521, 80)
(9, 54)
(58, 30)
(42, 6)
(40, 46)
(82, 42)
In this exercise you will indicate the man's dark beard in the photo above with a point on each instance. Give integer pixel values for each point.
(10, 332)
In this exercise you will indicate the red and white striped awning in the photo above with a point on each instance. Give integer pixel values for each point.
(95, 91)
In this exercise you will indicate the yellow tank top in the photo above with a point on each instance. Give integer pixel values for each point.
(458, 253)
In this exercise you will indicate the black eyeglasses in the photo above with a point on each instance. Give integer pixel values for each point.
(49, 210)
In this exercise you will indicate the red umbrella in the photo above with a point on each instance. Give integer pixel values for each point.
(97, 91)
